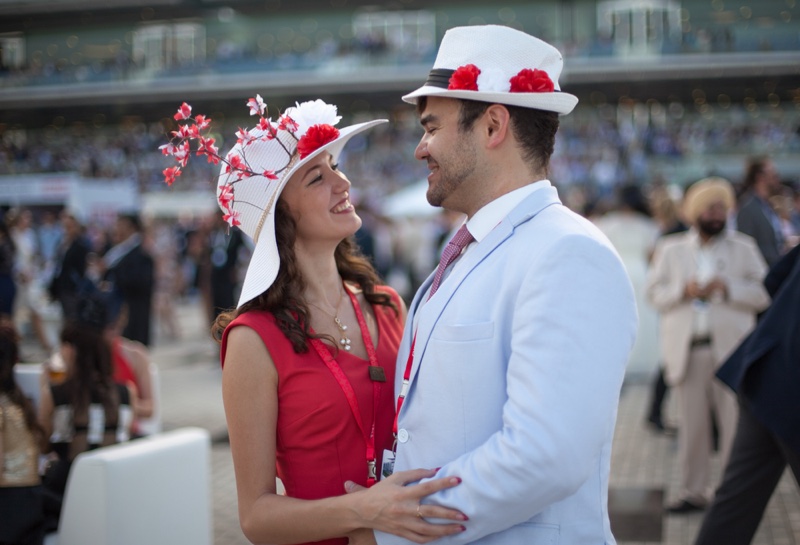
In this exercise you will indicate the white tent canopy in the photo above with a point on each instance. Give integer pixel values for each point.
(410, 201)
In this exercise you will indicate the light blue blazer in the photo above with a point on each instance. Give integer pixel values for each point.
(519, 361)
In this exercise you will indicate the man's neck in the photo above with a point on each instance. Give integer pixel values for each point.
(706, 239)
(762, 192)
(501, 185)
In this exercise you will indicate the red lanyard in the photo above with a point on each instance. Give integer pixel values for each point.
(347, 388)
(404, 388)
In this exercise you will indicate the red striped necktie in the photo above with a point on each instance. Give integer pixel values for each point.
(453, 249)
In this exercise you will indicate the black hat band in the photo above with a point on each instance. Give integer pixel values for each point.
(439, 77)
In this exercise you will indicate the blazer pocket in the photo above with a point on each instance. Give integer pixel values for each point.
(464, 332)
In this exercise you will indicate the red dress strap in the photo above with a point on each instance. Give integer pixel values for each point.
(123, 372)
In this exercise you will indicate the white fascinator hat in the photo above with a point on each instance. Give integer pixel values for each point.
(257, 168)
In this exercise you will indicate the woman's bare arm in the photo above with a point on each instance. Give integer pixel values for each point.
(249, 390)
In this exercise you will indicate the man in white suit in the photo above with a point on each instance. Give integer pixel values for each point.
(515, 354)
(707, 285)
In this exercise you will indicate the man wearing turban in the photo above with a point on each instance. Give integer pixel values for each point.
(706, 285)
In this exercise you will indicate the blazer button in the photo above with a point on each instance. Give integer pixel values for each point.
(402, 436)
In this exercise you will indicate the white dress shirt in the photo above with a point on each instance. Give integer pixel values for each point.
(487, 218)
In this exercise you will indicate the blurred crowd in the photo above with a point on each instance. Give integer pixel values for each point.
(325, 52)
(50, 259)
(52, 263)
(597, 149)
(198, 256)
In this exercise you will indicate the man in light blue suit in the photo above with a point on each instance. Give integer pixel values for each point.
(515, 354)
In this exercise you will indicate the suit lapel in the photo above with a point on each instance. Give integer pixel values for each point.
(429, 312)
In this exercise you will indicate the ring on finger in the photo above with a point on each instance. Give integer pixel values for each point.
(419, 515)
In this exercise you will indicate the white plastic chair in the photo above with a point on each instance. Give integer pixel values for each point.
(155, 490)
(28, 377)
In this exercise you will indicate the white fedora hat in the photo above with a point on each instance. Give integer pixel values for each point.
(257, 169)
(498, 64)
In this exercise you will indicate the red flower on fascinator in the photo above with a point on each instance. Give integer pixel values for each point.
(531, 81)
(465, 78)
(232, 217)
(225, 197)
(184, 112)
(315, 137)
(170, 174)
(319, 117)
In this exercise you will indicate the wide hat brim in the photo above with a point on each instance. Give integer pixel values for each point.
(265, 260)
(559, 102)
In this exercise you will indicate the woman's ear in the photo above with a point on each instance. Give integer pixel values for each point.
(497, 120)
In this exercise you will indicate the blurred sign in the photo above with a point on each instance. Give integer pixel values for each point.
(179, 204)
(33, 189)
(91, 200)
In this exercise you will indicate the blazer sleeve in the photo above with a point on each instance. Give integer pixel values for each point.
(752, 221)
(746, 290)
(664, 286)
(574, 323)
(781, 270)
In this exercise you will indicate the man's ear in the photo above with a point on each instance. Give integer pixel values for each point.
(496, 124)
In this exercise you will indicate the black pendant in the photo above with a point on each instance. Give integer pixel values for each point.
(376, 374)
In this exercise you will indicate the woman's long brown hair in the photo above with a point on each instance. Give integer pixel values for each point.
(284, 298)
(93, 372)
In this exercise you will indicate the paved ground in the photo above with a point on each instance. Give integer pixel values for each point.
(642, 459)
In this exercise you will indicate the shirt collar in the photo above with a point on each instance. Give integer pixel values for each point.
(487, 218)
(694, 237)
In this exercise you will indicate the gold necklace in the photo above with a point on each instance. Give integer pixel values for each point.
(342, 327)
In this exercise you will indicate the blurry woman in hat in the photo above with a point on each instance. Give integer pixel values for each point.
(309, 353)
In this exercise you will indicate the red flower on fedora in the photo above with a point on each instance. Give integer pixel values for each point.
(315, 137)
(532, 81)
(465, 78)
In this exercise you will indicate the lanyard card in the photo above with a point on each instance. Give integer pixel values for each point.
(388, 464)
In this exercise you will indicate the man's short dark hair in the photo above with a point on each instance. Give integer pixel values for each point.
(535, 130)
(132, 219)
(755, 166)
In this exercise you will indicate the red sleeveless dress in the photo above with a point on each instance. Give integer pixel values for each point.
(319, 443)
(123, 374)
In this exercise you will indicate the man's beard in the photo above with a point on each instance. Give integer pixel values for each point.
(454, 167)
(710, 228)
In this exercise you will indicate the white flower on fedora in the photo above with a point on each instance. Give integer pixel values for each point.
(493, 79)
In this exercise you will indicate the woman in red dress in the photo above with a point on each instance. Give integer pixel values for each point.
(309, 353)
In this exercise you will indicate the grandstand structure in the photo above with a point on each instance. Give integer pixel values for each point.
(669, 89)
